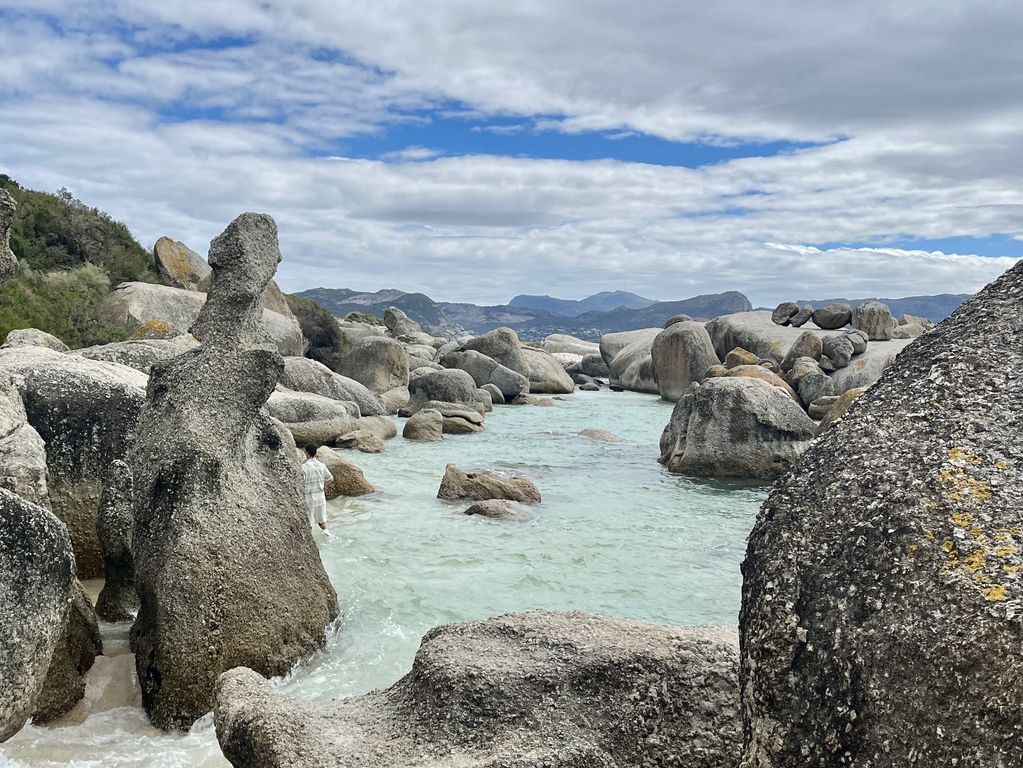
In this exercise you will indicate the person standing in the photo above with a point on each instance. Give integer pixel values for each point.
(316, 474)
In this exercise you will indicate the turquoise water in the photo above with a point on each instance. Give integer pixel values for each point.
(614, 534)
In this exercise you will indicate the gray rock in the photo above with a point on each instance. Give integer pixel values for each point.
(313, 418)
(594, 691)
(37, 571)
(395, 399)
(881, 594)
(139, 354)
(826, 365)
(426, 425)
(502, 345)
(754, 332)
(681, 355)
(85, 411)
(400, 324)
(735, 427)
(118, 600)
(784, 312)
(8, 261)
(361, 440)
(867, 368)
(76, 650)
(214, 595)
(378, 363)
(346, 479)
(496, 395)
(594, 365)
(500, 509)
(381, 426)
(633, 366)
(809, 344)
(911, 326)
(590, 386)
(179, 266)
(737, 357)
(22, 450)
(802, 317)
(859, 341)
(839, 350)
(600, 436)
(482, 485)
(613, 343)
(874, 319)
(485, 370)
(832, 317)
(562, 342)
(33, 337)
(133, 304)
(458, 419)
(815, 386)
(305, 375)
(820, 407)
(447, 386)
(546, 375)
(803, 366)
(680, 318)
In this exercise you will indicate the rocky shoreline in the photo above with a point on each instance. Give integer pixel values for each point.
(894, 524)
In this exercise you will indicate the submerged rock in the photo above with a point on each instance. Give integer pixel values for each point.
(37, 571)
(735, 427)
(883, 579)
(500, 509)
(226, 567)
(600, 436)
(482, 485)
(427, 425)
(560, 690)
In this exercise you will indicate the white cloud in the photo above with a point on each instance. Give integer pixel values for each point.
(176, 130)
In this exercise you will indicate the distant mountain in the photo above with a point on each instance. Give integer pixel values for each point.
(598, 302)
(934, 308)
(452, 319)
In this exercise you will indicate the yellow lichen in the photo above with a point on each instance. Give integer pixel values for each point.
(964, 456)
(995, 593)
(962, 519)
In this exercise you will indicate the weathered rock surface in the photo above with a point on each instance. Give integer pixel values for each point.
(118, 600)
(784, 312)
(8, 261)
(562, 342)
(802, 317)
(33, 337)
(85, 411)
(832, 317)
(546, 375)
(839, 350)
(133, 304)
(378, 363)
(139, 354)
(361, 440)
(739, 356)
(762, 373)
(633, 367)
(400, 324)
(76, 650)
(226, 568)
(482, 485)
(874, 319)
(594, 365)
(679, 318)
(599, 435)
(427, 425)
(589, 692)
(613, 343)
(37, 571)
(500, 509)
(346, 478)
(882, 587)
(305, 375)
(502, 345)
(863, 370)
(485, 370)
(313, 418)
(446, 386)
(809, 344)
(179, 266)
(815, 386)
(681, 355)
(496, 395)
(840, 407)
(735, 427)
(754, 332)
(22, 450)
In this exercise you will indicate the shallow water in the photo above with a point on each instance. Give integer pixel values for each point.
(615, 534)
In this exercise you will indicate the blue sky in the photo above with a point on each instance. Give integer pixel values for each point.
(473, 150)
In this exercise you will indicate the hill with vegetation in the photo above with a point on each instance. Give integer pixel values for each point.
(70, 256)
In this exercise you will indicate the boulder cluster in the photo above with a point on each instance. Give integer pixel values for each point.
(874, 318)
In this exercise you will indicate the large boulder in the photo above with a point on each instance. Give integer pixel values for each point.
(832, 317)
(426, 425)
(681, 355)
(594, 365)
(445, 386)
(874, 319)
(735, 427)
(613, 343)
(346, 479)
(179, 266)
(633, 367)
(502, 345)
(133, 304)
(36, 573)
(225, 564)
(33, 337)
(118, 600)
(560, 690)
(139, 354)
(754, 332)
(400, 324)
(882, 583)
(22, 450)
(312, 418)
(8, 261)
(378, 363)
(546, 375)
(482, 485)
(562, 342)
(304, 375)
(85, 411)
(784, 312)
(485, 370)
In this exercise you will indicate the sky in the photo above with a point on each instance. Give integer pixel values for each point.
(473, 150)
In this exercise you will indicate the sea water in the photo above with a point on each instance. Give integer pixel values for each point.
(615, 534)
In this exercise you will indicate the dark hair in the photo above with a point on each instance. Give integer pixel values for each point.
(311, 449)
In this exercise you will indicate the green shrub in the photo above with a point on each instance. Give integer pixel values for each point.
(327, 342)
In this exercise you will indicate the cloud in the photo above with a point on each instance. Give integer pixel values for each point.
(175, 116)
